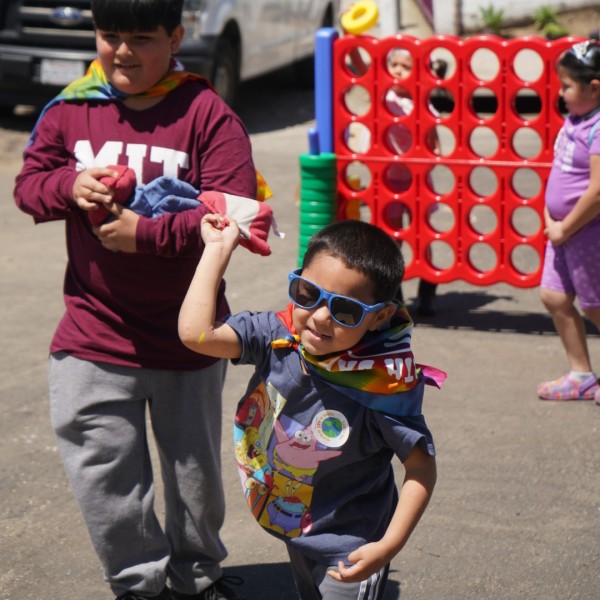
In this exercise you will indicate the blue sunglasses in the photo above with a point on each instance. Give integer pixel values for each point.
(345, 311)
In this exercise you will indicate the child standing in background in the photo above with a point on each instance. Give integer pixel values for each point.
(572, 217)
(399, 139)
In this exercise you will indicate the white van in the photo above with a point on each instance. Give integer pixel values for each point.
(241, 39)
(46, 45)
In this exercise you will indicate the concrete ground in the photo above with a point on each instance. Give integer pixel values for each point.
(515, 514)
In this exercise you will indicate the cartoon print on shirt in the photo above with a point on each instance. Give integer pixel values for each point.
(278, 457)
(298, 455)
(257, 491)
(288, 510)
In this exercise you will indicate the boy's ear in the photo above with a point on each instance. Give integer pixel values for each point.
(383, 316)
(177, 38)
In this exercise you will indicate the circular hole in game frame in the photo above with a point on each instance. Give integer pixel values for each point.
(357, 100)
(398, 101)
(399, 63)
(484, 103)
(398, 178)
(441, 180)
(482, 257)
(526, 221)
(357, 61)
(357, 137)
(358, 176)
(440, 255)
(483, 219)
(407, 252)
(398, 138)
(484, 141)
(526, 183)
(440, 216)
(525, 259)
(397, 215)
(527, 104)
(357, 210)
(483, 181)
(526, 142)
(528, 65)
(484, 64)
(442, 63)
(441, 140)
(441, 102)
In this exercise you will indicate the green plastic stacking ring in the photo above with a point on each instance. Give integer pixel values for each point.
(315, 218)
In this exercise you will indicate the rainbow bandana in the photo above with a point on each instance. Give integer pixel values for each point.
(379, 372)
(94, 85)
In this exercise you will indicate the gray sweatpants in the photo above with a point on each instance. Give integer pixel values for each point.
(99, 415)
(313, 583)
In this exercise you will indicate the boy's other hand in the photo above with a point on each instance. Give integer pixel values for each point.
(366, 560)
(88, 192)
(119, 234)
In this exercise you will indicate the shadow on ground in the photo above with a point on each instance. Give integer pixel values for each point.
(273, 581)
(463, 311)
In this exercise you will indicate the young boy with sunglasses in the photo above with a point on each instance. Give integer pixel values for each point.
(335, 395)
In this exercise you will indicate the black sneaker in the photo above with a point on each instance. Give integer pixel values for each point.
(164, 595)
(217, 591)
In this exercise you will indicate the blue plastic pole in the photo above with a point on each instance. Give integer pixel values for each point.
(324, 39)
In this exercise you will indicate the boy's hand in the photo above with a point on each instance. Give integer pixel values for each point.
(120, 233)
(216, 229)
(366, 560)
(88, 192)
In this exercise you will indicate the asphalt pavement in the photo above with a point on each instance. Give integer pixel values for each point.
(516, 511)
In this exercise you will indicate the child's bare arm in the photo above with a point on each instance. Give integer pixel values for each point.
(416, 491)
(198, 329)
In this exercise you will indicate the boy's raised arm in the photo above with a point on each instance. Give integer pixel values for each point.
(198, 329)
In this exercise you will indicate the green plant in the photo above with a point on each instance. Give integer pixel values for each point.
(546, 20)
(492, 18)
(553, 31)
(544, 16)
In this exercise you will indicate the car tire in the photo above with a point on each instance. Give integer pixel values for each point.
(226, 71)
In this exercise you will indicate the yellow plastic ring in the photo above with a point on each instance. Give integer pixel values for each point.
(360, 16)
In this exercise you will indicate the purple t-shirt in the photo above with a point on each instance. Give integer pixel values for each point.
(122, 308)
(570, 173)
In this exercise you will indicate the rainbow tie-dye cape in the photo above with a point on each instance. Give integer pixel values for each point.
(94, 85)
(379, 372)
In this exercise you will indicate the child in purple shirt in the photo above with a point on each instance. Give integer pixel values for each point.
(572, 215)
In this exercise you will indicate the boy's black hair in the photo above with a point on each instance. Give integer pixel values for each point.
(365, 248)
(137, 15)
(582, 61)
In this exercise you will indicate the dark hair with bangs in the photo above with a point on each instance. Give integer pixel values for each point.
(137, 15)
(365, 248)
(582, 61)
